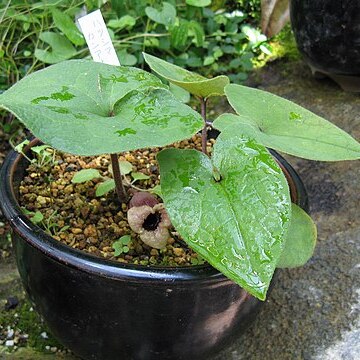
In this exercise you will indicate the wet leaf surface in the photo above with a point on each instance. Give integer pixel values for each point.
(87, 108)
(300, 240)
(282, 125)
(235, 216)
(190, 81)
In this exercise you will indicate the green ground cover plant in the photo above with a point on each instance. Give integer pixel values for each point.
(209, 36)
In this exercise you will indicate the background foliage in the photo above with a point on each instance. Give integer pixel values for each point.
(210, 37)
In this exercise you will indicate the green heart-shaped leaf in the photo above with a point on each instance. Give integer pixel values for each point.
(126, 59)
(87, 108)
(300, 241)
(190, 81)
(282, 125)
(61, 48)
(234, 210)
(165, 16)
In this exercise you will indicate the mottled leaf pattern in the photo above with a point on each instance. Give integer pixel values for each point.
(88, 108)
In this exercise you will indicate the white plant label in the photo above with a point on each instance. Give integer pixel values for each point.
(98, 39)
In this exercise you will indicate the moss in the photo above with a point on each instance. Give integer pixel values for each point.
(284, 45)
(28, 328)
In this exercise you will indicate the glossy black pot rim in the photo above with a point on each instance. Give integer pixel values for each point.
(107, 268)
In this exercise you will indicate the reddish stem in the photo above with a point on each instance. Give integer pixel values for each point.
(204, 130)
(119, 186)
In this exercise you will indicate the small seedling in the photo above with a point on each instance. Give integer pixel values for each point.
(121, 246)
(85, 175)
(109, 184)
(48, 224)
(198, 260)
(44, 154)
(35, 217)
(138, 176)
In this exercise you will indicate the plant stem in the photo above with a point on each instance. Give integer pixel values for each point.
(143, 35)
(119, 186)
(204, 130)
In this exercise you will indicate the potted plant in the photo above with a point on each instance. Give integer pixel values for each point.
(326, 33)
(234, 209)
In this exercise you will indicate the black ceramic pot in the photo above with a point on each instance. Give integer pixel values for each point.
(327, 33)
(107, 311)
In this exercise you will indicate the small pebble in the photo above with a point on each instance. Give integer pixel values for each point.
(154, 252)
(11, 303)
(9, 343)
(76, 230)
(178, 251)
(92, 224)
(10, 333)
(41, 200)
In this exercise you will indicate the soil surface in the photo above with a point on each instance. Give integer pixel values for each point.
(313, 312)
(75, 215)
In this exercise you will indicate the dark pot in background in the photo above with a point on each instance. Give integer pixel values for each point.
(327, 33)
(104, 310)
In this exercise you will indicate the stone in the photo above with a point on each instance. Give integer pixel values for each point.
(11, 303)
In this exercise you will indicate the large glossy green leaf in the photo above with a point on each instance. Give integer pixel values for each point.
(190, 81)
(60, 48)
(300, 240)
(89, 108)
(233, 210)
(282, 125)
